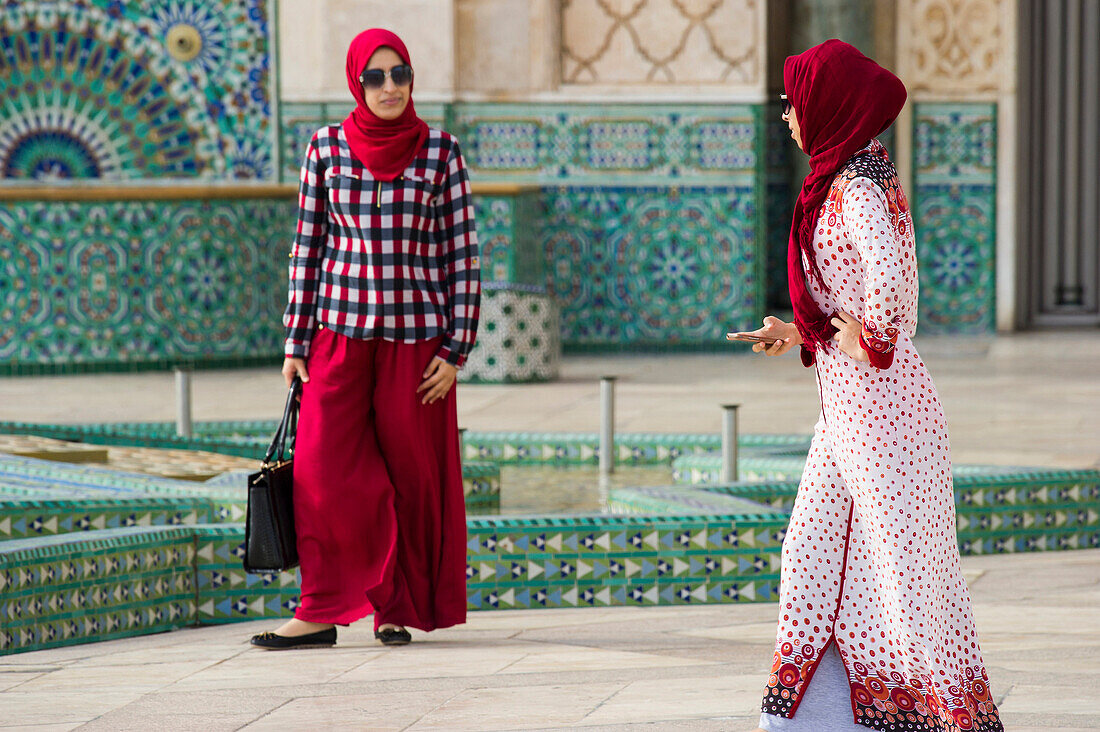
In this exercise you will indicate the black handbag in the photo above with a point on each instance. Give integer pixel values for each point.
(270, 543)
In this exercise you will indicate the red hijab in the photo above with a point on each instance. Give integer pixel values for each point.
(385, 147)
(842, 100)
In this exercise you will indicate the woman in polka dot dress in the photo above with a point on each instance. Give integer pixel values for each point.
(872, 595)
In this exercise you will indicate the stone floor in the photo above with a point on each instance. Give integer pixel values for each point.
(1022, 400)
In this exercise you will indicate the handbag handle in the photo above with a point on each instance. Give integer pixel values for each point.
(288, 427)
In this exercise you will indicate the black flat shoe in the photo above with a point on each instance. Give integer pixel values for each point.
(275, 642)
(393, 636)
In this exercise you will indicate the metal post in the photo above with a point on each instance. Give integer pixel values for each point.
(462, 443)
(607, 426)
(729, 442)
(183, 402)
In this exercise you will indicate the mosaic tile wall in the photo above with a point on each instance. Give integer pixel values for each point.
(621, 144)
(661, 268)
(631, 448)
(955, 176)
(709, 171)
(519, 336)
(22, 517)
(481, 487)
(44, 498)
(119, 91)
(575, 144)
(529, 563)
(133, 284)
(650, 214)
(691, 554)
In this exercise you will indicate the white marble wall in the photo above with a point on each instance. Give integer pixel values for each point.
(535, 49)
(664, 46)
(314, 37)
(507, 48)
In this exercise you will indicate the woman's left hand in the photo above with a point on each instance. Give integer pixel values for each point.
(439, 377)
(847, 336)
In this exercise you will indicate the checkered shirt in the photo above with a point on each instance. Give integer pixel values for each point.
(393, 260)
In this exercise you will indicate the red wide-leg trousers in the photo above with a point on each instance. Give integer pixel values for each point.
(378, 502)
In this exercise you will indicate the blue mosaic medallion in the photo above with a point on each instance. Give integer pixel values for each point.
(199, 34)
(111, 90)
(53, 154)
(652, 267)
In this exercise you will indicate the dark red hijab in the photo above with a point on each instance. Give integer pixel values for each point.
(842, 99)
(385, 147)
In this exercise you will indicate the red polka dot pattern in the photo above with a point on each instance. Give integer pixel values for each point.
(870, 559)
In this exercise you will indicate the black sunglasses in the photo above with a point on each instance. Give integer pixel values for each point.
(376, 78)
(785, 102)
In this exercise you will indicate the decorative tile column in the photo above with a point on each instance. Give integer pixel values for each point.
(519, 335)
(957, 58)
(955, 210)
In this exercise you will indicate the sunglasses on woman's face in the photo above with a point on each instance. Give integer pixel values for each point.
(786, 104)
(375, 78)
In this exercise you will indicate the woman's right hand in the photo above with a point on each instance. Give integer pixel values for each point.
(294, 367)
(785, 335)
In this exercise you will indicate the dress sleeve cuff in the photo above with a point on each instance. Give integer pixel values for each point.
(452, 357)
(296, 349)
(879, 347)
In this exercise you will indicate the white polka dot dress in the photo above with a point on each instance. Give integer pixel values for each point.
(870, 559)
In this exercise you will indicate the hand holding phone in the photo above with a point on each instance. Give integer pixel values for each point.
(782, 337)
(750, 338)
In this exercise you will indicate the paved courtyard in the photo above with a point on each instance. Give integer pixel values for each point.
(654, 668)
(1020, 400)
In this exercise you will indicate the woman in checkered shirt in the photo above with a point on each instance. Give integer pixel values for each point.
(384, 296)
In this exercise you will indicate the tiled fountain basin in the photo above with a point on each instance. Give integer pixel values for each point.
(653, 544)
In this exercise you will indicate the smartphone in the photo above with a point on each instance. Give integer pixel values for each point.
(750, 338)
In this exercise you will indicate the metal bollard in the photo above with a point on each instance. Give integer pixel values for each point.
(607, 426)
(462, 444)
(183, 402)
(729, 442)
